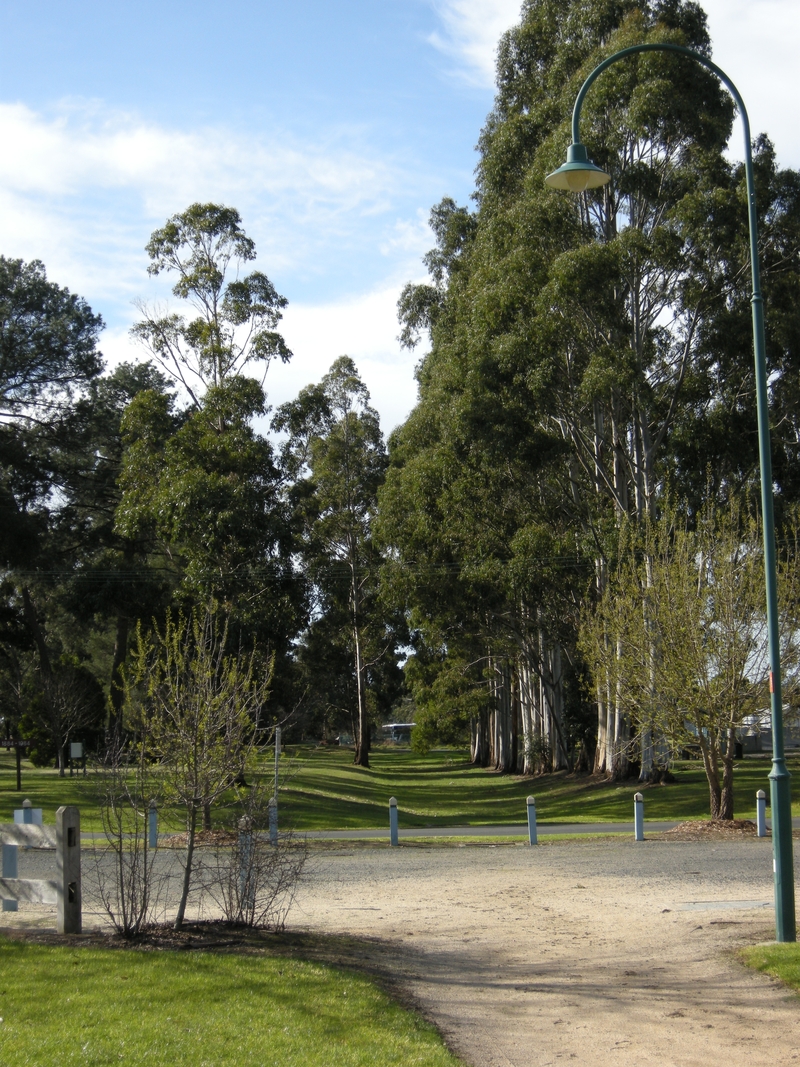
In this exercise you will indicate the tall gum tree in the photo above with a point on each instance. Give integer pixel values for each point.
(337, 453)
(596, 333)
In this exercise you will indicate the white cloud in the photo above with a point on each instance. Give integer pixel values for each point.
(365, 328)
(82, 187)
(472, 29)
(755, 43)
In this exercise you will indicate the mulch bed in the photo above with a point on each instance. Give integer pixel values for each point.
(202, 839)
(712, 828)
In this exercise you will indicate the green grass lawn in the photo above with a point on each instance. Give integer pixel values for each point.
(94, 1007)
(782, 961)
(324, 790)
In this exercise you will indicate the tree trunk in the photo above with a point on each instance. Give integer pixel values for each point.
(709, 751)
(726, 798)
(116, 689)
(191, 828)
(362, 735)
(479, 740)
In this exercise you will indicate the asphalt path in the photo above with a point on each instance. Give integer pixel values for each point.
(520, 830)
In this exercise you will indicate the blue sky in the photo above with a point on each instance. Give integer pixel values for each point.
(332, 125)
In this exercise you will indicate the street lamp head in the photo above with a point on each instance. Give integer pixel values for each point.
(578, 173)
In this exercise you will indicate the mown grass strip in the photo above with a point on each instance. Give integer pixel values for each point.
(781, 961)
(324, 790)
(94, 1007)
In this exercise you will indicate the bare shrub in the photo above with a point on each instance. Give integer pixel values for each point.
(254, 882)
(128, 887)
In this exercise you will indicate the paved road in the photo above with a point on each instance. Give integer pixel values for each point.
(495, 831)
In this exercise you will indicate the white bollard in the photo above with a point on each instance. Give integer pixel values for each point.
(533, 838)
(153, 825)
(638, 817)
(273, 821)
(761, 813)
(10, 870)
(393, 830)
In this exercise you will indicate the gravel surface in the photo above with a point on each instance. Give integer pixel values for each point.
(603, 952)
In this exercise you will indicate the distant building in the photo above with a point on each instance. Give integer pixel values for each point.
(399, 732)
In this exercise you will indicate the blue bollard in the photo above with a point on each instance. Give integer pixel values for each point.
(273, 821)
(152, 825)
(10, 870)
(393, 830)
(638, 817)
(533, 838)
(761, 813)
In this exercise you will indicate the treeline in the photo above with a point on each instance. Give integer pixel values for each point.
(156, 492)
(564, 508)
(589, 398)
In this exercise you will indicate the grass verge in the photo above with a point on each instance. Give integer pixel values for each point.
(781, 961)
(95, 1006)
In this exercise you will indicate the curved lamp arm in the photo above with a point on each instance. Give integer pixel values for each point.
(579, 173)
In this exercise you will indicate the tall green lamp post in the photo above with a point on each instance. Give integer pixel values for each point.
(578, 174)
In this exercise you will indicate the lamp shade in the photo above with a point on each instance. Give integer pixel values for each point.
(578, 173)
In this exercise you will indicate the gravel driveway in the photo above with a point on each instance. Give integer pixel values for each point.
(600, 952)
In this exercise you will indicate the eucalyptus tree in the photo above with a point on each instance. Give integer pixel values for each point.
(235, 318)
(335, 449)
(600, 333)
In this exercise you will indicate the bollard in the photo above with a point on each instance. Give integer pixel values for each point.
(10, 870)
(246, 886)
(638, 817)
(761, 813)
(273, 821)
(152, 821)
(532, 835)
(277, 757)
(28, 815)
(68, 868)
(393, 832)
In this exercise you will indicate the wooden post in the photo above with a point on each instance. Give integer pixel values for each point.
(68, 869)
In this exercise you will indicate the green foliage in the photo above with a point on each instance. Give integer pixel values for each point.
(48, 341)
(680, 634)
(336, 454)
(195, 707)
(236, 317)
